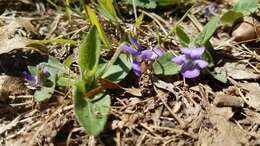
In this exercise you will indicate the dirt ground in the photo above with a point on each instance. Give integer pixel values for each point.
(171, 112)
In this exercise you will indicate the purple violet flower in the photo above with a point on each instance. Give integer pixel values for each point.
(32, 80)
(43, 70)
(140, 55)
(191, 62)
(210, 10)
(35, 80)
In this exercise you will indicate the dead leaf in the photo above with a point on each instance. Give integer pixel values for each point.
(106, 84)
(7, 86)
(248, 29)
(10, 125)
(225, 100)
(253, 95)
(239, 71)
(164, 85)
(223, 131)
(26, 1)
(9, 43)
(133, 91)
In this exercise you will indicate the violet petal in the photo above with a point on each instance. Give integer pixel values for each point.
(193, 53)
(136, 43)
(186, 51)
(157, 53)
(190, 73)
(146, 55)
(46, 72)
(201, 63)
(132, 51)
(197, 52)
(181, 59)
(136, 68)
(28, 76)
(32, 80)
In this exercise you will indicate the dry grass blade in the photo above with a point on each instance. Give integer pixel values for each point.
(10, 125)
(174, 130)
(9, 43)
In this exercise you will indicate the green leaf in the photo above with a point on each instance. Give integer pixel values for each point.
(54, 61)
(94, 21)
(149, 4)
(48, 87)
(32, 70)
(44, 93)
(207, 31)
(107, 9)
(68, 61)
(208, 57)
(169, 2)
(164, 65)
(219, 74)
(64, 81)
(91, 114)
(173, 29)
(246, 6)
(139, 20)
(89, 55)
(47, 84)
(54, 5)
(63, 41)
(182, 36)
(230, 17)
(68, 9)
(59, 76)
(119, 70)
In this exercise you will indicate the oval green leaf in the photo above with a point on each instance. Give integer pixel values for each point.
(207, 31)
(94, 21)
(92, 113)
(182, 36)
(89, 55)
(164, 65)
(119, 70)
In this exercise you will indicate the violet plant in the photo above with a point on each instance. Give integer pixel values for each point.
(140, 55)
(196, 55)
(44, 77)
(92, 110)
(37, 80)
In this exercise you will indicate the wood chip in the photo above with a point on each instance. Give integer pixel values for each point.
(224, 100)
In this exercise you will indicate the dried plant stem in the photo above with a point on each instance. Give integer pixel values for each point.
(118, 139)
(182, 124)
(111, 62)
(156, 20)
(178, 119)
(91, 141)
(195, 22)
(70, 134)
(177, 131)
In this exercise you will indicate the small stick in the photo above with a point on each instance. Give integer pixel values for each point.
(118, 138)
(111, 62)
(158, 22)
(177, 131)
(172, 113)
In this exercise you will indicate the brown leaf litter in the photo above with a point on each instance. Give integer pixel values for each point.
(8, 40)
(174, 112)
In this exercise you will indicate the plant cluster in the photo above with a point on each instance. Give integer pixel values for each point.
(91, 96)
